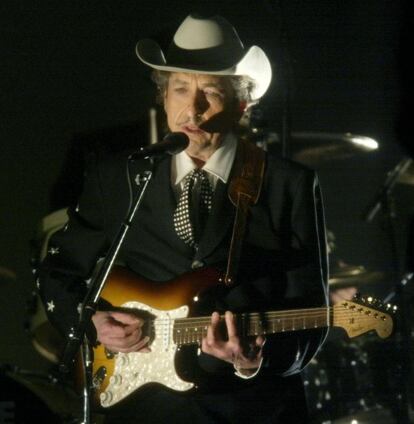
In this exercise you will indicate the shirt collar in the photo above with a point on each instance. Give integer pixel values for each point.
(219, 163)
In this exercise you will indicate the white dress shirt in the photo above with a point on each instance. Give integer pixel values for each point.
(218, 165)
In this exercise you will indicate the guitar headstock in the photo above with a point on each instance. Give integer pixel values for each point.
(366, 314)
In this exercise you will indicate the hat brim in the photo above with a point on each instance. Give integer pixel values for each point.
(254, 64)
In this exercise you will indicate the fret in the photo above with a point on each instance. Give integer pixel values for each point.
(192, 330)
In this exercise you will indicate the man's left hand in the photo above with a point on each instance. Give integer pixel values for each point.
(244, 355)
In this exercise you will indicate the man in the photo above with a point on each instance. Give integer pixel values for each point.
(205, 83)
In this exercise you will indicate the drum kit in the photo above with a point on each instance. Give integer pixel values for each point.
(359, 380)
(341, 382)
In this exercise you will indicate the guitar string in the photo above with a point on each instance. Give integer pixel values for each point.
(291, 315)
(284, 315)
(188, 322)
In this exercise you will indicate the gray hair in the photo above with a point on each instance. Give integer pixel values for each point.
(242, 85)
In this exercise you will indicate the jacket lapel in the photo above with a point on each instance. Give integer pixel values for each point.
(160, 197)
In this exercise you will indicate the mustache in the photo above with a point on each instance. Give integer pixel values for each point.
(219, 122)
(196, 121)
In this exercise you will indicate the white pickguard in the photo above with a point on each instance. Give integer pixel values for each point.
(133, 370)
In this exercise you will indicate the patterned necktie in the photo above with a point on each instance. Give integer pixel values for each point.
(193, 207)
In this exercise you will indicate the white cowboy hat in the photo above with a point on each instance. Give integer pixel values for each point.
(209, 46)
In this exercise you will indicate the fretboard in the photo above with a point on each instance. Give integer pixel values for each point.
(192, 330)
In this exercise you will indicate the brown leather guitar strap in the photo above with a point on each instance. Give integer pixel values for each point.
(244, 191)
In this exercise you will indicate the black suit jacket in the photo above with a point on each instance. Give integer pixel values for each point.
(283, 261)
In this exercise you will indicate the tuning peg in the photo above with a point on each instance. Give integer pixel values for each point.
(391, 308)
(368, 300)
(357, 296)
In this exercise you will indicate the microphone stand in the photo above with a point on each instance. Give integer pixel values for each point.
(384, 200)
(90, 303)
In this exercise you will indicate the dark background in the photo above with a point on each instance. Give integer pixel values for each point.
(69, 75)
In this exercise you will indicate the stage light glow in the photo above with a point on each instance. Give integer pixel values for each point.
(363, 141)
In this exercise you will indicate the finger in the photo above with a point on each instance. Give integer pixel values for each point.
(126, 317)
(230, 324)
(142, 344)
(129, 339)
(260, 341)
(136, 347)
(215, 319)
(123, 347)
(117, 330)
(349, 293)
(212, 329)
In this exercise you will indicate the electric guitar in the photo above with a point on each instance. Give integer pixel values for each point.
(168, 307)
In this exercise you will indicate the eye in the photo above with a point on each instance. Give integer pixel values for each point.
(214, 95)
(180, 90)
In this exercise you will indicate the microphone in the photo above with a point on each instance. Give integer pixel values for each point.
(172, 144)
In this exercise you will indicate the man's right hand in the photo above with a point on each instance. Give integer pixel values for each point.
(120, 331)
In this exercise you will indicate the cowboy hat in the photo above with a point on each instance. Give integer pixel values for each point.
(209, 46)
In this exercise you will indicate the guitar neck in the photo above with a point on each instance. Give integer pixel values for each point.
(192, 330)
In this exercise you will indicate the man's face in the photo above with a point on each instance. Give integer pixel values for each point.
(201, 106)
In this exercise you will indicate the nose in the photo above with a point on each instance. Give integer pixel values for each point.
(198, 104)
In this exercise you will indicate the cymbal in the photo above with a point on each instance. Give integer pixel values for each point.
(313, 148)
(345, 275)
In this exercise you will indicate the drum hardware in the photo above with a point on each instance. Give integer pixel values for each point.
(407, 177)
(383, 198)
